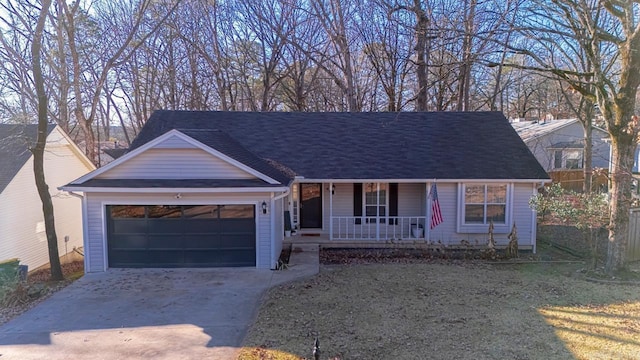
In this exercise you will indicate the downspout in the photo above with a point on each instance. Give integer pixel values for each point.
(273, 228)
(427, 225)
(286, 193)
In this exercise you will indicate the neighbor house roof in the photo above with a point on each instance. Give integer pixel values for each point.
(15, 143)
(530, 130)
(405, 145)
(576, 144)
(115, 152)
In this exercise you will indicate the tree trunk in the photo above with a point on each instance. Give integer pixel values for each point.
(63, 73)
(422, 60)
(587, 168)
(38, 150)
(81, 119)
(622, 151)
(464, 81)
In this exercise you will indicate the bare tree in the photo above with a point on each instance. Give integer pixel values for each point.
(41, 141)
(608, 34)
(87, 98)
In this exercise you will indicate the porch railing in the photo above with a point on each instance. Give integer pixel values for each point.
(378, 228)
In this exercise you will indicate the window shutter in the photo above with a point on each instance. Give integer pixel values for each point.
(393, 202)
(357, 202)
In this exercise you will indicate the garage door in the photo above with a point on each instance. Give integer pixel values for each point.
(181, 236)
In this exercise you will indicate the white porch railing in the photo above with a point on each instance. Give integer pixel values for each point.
(378, 228)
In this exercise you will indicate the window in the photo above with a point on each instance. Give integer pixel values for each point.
(484, 203)
(375, 200)
(573, 159)
(294, 201)
(567, 159)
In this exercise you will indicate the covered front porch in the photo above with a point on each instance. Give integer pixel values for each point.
(368, 211)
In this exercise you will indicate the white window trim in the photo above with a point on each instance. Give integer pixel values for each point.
(564, 156)
(295, 203)
(386, 204)
(483, 228)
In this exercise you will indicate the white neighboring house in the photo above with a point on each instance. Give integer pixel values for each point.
(22, 232)
(559, 144)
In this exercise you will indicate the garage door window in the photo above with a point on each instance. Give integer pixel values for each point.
(236, 211)
(127, 212)
(164, 211)
(201, 211)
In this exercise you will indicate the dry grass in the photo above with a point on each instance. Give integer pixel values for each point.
(448, 311)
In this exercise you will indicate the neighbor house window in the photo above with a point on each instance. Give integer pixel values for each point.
(484, 203)
(567, 159)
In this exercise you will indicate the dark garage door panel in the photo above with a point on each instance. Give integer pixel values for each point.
(181, 241)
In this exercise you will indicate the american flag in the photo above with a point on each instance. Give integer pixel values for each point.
(436, 215)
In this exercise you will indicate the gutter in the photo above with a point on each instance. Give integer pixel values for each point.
(170, 190)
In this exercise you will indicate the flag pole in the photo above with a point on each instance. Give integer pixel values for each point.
(427, 221)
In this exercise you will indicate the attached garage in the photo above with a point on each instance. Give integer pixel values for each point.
(181, 235)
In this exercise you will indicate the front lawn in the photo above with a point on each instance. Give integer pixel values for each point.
(448, 310)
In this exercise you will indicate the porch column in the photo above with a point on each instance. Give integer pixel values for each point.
(331, 211)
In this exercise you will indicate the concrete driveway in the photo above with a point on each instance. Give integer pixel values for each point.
(147, 313)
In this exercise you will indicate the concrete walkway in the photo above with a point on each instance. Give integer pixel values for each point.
(149, 313)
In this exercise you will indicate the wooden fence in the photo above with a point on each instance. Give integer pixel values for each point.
(573, 179)
(633, 246)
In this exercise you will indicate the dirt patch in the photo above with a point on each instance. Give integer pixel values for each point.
(38, 288)
(446, 309)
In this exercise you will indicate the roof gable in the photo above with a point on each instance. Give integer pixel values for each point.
(417, 145)
(203, 161)
(16, 141)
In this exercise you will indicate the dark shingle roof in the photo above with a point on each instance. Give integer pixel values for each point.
(115, 153)
(227, 145)
(406, 145)
(15, 142)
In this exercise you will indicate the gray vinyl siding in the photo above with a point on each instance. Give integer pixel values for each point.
(601, 149)
(540, 146)
(96, 233)
(342, 201)
(175, 164)
(411, 200)
(96, 219)
(279, 230)
(446, 231)
(521, 214)
(263, 245)
(174, 142)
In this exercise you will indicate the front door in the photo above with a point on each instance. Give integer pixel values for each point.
(311, 206)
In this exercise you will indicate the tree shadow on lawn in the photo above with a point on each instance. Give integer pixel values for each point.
(457, 310)
(604, 331)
